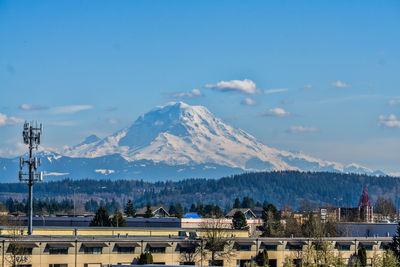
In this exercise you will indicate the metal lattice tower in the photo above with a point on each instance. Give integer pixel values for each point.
(365, 206)
(31, 135)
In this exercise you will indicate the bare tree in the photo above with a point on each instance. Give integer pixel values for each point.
(387, 259)
(320, 252)
(217, 240)
(190, 251)
(17, 253)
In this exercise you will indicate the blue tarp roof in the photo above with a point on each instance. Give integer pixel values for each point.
(192, 215)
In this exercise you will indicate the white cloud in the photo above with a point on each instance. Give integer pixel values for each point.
(62, 123)
(273, 91)
(390, 121)
(15, 150)
(301, 129)
(275, 112)
(306, 86)
(340, 84)
(31, 107)
(394, 102)
(6, 121)
(245, 86)
(190, 94)
(55, 173)
(71, 109)
(113, 121)
(248, 101)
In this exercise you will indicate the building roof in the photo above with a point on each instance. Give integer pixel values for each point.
(192, 215)
(245, 211)
(154, 209)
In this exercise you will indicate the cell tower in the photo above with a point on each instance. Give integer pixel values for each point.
(31, 135)
(365, 206)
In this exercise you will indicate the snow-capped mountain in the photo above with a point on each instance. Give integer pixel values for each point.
(179, 141)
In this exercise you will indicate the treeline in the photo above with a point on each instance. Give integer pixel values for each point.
(66, 206)
(280, 188)
(40, 206)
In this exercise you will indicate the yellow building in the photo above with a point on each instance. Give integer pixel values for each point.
(103, 247)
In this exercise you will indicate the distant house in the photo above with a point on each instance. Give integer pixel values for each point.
(248, 213)
(258, 211)
(18, 214)
(158, 212)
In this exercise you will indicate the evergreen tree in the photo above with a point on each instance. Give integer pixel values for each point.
(362, 256)
(272, 224)
(237, 204)
(395, 244)
(130, 210)
(179, 210)
(218, 212)
(239, 221)
(145, 258)
(200, 210)
(118, 220)
(193, 208)
(172, 210)
(149, 213)
(248, 203)
(209, 210)
(149, 257)
(262, 258)
(101, 218)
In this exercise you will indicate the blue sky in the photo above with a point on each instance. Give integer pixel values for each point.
(321, 77)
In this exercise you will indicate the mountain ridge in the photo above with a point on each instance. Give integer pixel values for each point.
(182, 139)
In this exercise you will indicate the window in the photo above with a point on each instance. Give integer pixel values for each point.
(294, 247)
(272, 263)
(126, 250)
(216, 247)
(93, 250)
(58, 251)
(342, 247)
(242, 263)
(27, 251)
(58, 265)
(271, 247)
(367, 247)
(95, 265)
(244, 247)
(216, 263)
(384, 246)
(156, 250)
(19, 250)
(187, 250)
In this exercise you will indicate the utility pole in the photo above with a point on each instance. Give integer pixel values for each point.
(75, 188)
(31, 135)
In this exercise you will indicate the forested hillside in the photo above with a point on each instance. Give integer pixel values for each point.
(278, 188)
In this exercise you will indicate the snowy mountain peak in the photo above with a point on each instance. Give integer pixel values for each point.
(180, 134)
(90, 139)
